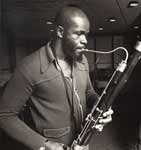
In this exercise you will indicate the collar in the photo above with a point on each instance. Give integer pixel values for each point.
(46, 57)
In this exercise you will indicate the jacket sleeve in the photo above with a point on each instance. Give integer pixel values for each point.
(14, 98)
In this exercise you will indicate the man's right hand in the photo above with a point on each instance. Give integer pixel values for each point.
(50, 145)
(77, 147)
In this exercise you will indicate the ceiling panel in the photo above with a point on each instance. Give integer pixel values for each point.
(28, 19)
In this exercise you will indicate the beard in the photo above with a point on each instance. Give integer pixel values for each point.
(71, 52)
(73, 56)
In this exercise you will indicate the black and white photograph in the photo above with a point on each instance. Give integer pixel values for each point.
(70, 75)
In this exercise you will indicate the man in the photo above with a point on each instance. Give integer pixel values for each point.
(55, 83)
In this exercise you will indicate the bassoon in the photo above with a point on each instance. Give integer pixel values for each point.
(114, 86)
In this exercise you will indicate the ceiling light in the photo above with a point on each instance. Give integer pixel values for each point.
(49, 23)
(136, 27)
(112, 19)
(133, 4)
(100, 28)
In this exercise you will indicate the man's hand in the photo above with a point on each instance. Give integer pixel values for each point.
(77, 147)
(107, 117)
(50, 145)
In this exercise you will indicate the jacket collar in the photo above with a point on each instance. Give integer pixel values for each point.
(46, 57)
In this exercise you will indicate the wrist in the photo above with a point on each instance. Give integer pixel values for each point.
(42, 148)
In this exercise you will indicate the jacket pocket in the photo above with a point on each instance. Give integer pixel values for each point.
(56, 133)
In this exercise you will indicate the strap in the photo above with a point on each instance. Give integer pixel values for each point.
(74, 104)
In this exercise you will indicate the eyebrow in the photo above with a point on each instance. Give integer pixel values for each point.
(82, 32)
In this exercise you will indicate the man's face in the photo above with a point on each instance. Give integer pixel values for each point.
(74, 37)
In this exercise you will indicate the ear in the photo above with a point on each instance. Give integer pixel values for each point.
(60, 31)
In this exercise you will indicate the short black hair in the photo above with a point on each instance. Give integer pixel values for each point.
(61, 16)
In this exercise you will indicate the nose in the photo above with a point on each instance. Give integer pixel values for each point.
(83, 39)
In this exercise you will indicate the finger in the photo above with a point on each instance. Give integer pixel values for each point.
(99, 127)
(65, 147)
(108, 113)
(105, 120)
(77, 147)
